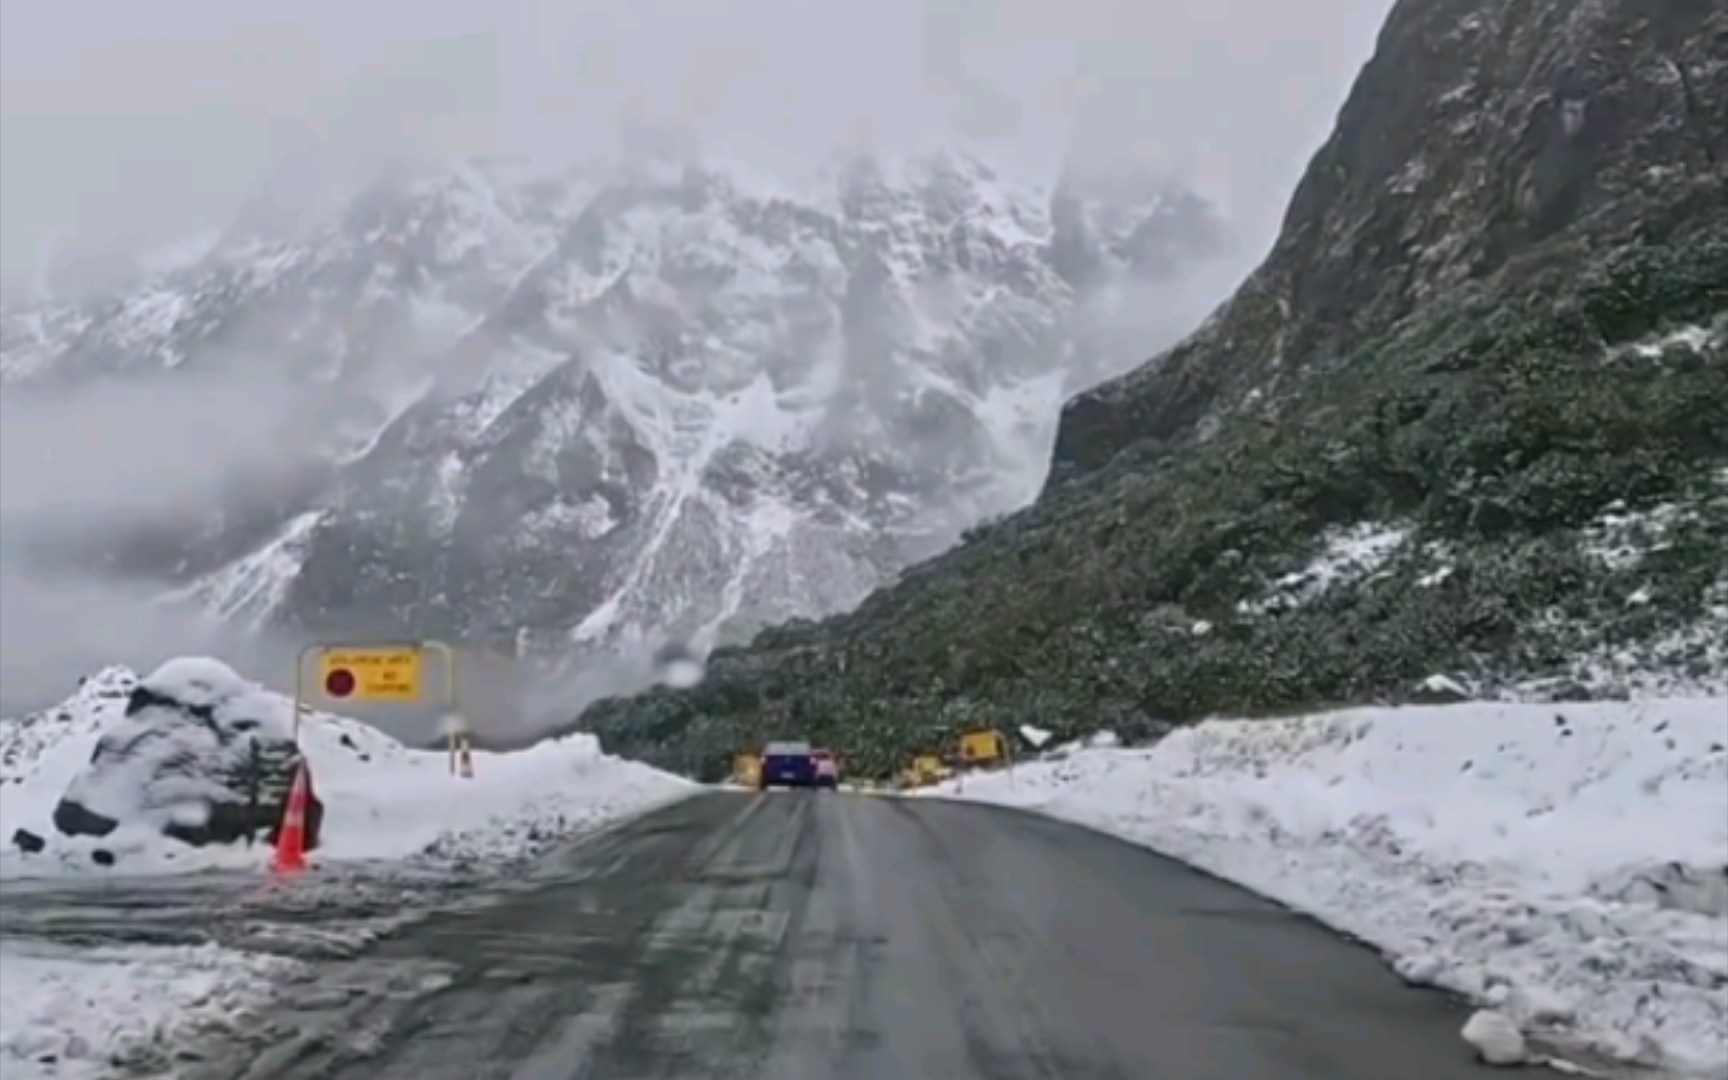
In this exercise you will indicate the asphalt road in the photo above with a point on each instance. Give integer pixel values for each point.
(800, 936)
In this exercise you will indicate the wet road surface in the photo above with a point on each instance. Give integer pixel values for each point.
(328, 915)
(799, 936)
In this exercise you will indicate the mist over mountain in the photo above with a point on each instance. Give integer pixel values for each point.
(576, 416)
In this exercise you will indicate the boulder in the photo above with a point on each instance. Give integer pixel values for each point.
(200, 755)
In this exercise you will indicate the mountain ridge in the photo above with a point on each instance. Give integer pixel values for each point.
(1469, 418)
(569, 416)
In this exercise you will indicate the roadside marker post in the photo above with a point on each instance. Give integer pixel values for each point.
(461, 746)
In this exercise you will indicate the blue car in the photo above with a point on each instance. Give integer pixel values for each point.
(787, 764)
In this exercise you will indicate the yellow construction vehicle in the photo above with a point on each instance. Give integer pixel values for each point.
(926, 769)
(747, 769)
(985, 748)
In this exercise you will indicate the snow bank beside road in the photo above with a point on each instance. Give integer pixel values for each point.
(516, 802)
(97, 1012)
(1566, 864)
(382, 800)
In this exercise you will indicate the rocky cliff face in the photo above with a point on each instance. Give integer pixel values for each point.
(1482, 142)
(579, 413)
(1469, 418)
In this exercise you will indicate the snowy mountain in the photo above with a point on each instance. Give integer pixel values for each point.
(1469, 417)
(618, 405)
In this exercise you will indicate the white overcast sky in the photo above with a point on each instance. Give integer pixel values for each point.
(128, 124)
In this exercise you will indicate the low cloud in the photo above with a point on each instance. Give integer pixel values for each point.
(118, 448)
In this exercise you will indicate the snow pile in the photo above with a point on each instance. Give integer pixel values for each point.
(381, 799)
(404, 803)
(1497, 1039)
(1035, 737)
(100, 700)
(102, 1011)
(1566, 866)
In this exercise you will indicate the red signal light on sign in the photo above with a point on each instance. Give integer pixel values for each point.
(339, 683)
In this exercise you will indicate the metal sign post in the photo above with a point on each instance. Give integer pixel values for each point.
(461, 755)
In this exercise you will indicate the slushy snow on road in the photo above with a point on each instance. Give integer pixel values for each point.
(381, 799)
(1564, 865)
(99, 1012)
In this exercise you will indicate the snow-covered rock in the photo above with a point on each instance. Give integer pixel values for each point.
(381, 799)
(1496, 1039)
(1564, 865)
(200, 755)
(1440, 690)
(1035, 737)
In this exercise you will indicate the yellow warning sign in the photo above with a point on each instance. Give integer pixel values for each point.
(375, 673)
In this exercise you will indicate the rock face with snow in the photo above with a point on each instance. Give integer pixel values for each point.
(668, 402)
(200, 755)
(1470, 416)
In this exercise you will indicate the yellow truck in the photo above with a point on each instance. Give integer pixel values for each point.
(926, 769)
(985, 748)
(747, 769)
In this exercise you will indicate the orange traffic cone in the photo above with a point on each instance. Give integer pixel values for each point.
(291, 837)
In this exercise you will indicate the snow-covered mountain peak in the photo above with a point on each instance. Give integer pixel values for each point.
(617, 404)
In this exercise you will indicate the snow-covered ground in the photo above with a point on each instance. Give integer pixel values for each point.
(84, 1015)
(70, 1013)
(1565, 865)
(382, 800)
